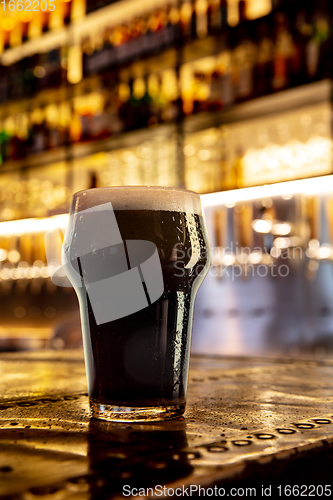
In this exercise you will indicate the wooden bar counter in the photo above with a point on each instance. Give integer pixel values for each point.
(253, 427)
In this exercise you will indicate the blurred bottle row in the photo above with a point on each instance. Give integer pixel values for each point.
(289, 145)
(288, 47)
(183, 19)
(125, 100)
(19, 23)
(105, 110)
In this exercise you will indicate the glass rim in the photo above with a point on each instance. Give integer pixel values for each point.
(138, 198)
(141, 187)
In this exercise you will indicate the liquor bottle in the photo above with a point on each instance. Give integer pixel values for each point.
(154, 38)
(78, 10)
(56, 20)
(122, 98)
(82, 108)
(162, 20)
(28, 76)
(25, 18)
(225, 67)
(67, 5)
(244, 57)
(200, 91)
(90, 6)
(276, 4)
(40, 72)
(149, 33)
(153, 99)
(36, 26)
(15, 37)
(324, 27)
(302, 35)
(65, 118)
(112, 122)
(93, 181)
(75, 128)
(87, 55)
(172, 28)
(45, 21)
(217, 16)
(238, 167)
(263, 67)
(21, 136)
(193, 22)
(215, 102)
(2, 48)
(7, 133)
(135, 43)
(185, 20)
(119, 39)
(52, 117)
(201, 9)
(171, 105)
(54, 71)
(318, 57)
(4, 83)
(7, 26)
(282, 53)
(95, 118)
(16, 84)
(128, 109)
(142, 30)
(99, 59)
(213, 17)
(242, 11)
(2, 146)
(140, 102)
(224, 13)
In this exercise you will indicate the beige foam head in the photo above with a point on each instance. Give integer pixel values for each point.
(139, 198)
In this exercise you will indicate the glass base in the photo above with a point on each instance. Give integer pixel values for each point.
(134, 413)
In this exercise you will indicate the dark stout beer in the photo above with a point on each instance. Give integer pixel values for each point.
(140, 361)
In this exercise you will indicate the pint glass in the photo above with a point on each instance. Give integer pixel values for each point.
(136, 257)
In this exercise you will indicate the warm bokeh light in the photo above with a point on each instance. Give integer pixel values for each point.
(262, 225)
(25, 16)
(74, 73)
(281, 229)
(3, 254)
(13, 256)
(7, 24)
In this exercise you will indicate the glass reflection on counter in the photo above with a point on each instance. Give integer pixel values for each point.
(140, 456)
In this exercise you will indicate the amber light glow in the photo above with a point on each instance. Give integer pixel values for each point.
(27, 226)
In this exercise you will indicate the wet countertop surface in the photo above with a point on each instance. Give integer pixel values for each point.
(250, 422)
